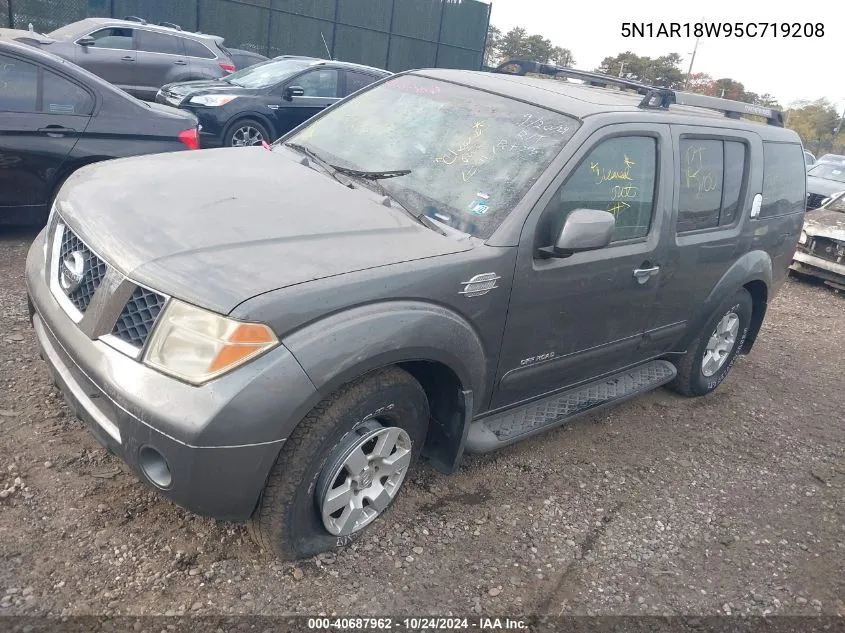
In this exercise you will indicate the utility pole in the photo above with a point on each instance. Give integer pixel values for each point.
(692, 59)
(621, 68)
(691, 62)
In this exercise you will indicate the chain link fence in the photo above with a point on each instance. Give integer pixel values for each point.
(392, 34)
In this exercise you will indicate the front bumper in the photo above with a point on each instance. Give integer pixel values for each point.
(808, 264)
(219, 440)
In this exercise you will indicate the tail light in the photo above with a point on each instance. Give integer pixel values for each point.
(229, 68)
(191, 138)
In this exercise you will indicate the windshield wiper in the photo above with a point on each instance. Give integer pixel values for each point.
(322, 162)
(371, 175)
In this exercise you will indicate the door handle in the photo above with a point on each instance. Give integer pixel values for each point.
(643, 274)
(181, 62)
(127, 58)
(56, 131)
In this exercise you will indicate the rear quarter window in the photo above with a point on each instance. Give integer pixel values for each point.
(784, 179)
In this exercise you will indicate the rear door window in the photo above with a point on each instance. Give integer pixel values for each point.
(784, 179)
(355, 81)
(195, 49)
(113, 37)
(18, 85)
(62, 96)
(712, 175)
(152, 42)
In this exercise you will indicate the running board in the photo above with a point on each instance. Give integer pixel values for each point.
(496, 431)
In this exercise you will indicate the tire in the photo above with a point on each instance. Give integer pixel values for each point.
(288, 521)
(692, 378)
(245, 132)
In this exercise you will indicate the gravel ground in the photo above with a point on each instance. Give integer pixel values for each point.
(728, 504)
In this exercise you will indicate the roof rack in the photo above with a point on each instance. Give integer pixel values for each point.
(135, 18)
(654, 97)
(170, 25)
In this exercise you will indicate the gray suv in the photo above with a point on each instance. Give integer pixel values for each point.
(139, 57)
(445, 262)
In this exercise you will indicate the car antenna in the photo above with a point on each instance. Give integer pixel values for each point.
(328, 52)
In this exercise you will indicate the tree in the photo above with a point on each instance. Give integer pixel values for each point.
(512, 43)
(491, 50)
(660, 71)
(562, 56)
(700, 83)
(516, 43)
(729, 89)
(814, 121)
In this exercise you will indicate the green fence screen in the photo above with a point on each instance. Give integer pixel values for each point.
(392, 34)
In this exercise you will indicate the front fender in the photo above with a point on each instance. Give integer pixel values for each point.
(348, 344)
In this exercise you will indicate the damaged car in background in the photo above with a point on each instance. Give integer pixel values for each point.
(821, 247)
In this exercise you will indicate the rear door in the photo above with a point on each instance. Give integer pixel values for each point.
(322, 88)
(111, 56)
(42, 115)
(161, 59)
(714, 189)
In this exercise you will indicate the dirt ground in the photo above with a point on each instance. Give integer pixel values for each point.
(732, 503)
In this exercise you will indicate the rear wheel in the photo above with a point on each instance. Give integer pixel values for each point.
(711, 356)
(246, 132)
(342, 466)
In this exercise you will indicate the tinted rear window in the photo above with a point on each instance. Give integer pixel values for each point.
(195, 49)
(784, 179)
(152, 42)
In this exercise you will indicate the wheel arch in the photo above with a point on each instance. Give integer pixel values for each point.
(250, 114)
(435, 345)
(752, 271)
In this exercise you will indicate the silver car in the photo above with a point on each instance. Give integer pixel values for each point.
(139, 57)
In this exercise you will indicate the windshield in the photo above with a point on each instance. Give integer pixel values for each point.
(828, 172)
(472, 155)
(267, 74)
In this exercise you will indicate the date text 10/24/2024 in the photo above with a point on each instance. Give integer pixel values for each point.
(417, 624)
(723, 29)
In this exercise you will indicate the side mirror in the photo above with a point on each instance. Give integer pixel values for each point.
(86, 41)
(293, 91)
(584, 230)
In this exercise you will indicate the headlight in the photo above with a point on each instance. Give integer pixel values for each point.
(212, 100)
(197, 345)
(803, 238)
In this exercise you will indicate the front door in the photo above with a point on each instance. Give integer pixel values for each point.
(43, 116)
(111, 56)
(322, 89)
(575, 318)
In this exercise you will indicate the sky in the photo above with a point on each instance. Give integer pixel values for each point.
(788, 68)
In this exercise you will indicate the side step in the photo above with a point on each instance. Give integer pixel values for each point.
(496, 431)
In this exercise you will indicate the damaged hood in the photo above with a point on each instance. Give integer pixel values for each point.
(217, 227)
(826, 223)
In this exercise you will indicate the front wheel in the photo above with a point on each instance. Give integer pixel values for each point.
(342, 466)
(711, 356)
(245, 133)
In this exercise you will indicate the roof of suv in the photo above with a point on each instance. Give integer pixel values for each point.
(580, 100)
(84, 25)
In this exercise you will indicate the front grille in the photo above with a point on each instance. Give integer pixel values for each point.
(814, 200)
(827, 249)
(138, 317)
(94, 270)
